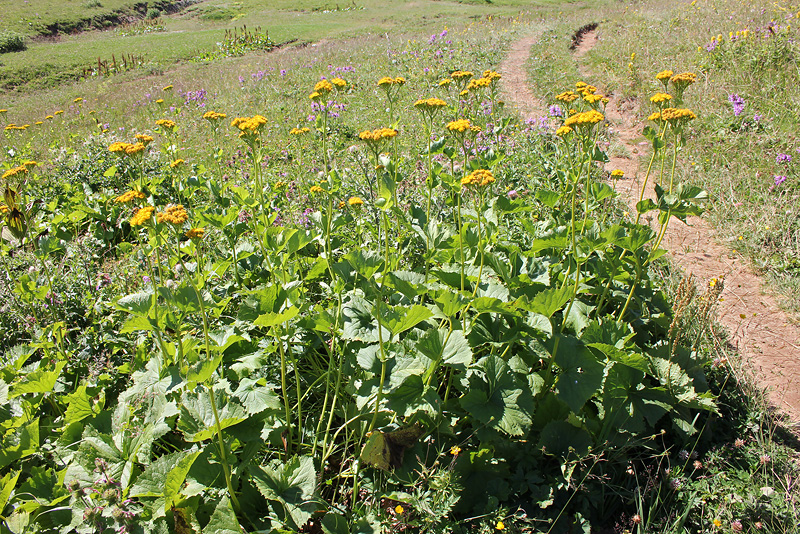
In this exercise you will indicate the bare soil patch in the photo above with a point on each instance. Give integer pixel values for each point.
(758, 329)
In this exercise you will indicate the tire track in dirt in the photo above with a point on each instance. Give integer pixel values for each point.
(758, 329)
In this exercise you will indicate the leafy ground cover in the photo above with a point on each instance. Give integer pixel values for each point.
(358, 303)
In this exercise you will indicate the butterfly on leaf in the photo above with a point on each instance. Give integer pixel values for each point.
(385, 450)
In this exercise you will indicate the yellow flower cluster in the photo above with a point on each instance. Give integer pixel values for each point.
(684, 79)
(592, 98)
(14, 171)
(585, 89)
(77, 100)
(300, 131)
(478, 178)
(378, 134)
(30, 163)
(445, 82)
(126, 149)
(461, 75)
(616, 173)
(14, 126)
(173, 214)
(142, 216)
(388, 81)
(167, 88)
(213, 116)
(249, 125)
(586, 118)
(430, 104)
(664, 75)
(339, 83)
(654, 116)
(166, 123)
(461, 126)
(355, 202)
(567, 96)
(479, 83)
(660, 98)
(323, 87)
(316, 189)
(564, 130)
(144, 139)
(176, 163)
(195, 233)
(128, 197)
(492, 75)
(677, 115)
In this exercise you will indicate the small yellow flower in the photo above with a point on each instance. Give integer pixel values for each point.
(455, 450)
(30, 163)
(616, 173)
(564, 130)
(77, 100)
(664, 75)
(175, 214)
(717, 523)
(445, 82)
(213, 116)
(160, 101)
(59, 112)
(195, 233)
(500, 526)
(478, 178)
(128, 197)
(315, 189)
(398, 510)
(323, 87)
(166, 123)
(142, 216)
(166, 88)
(144, 139)
(15, 171)
(339, 83)
(355, 202)
(176, 163)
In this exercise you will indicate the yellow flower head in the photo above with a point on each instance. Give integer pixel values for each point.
(356, 202)
(166, 123)
(616, 173)
(339, 83)
(683, 80)
(399, 80)
(160, 101)
(445, 82)
(77, 100)
(398, 509)
(500, 526)
(478, 178)
(430, 105)
(30, 163)
(386, 81)
(176, 163)
(175, 214)
(3, 111)
(195, 233)
(48, 117)
(213, 116)
(300, 131)
(460, 75)
(664, 75)
(323, 87)
(315, 96)
(316, 189)
(10, 173)
(479, 83)
(38, 122)
(564, 130)
(166, 88)
(660, 98)
(677, 115)
(654, 117)
(59, 112)
(142, 216)
(459, 126)
(128, 197)
(592, 98)
(134, 149)
(144, 139)
(377, 135)
(118, 147)
(584, 119)
(492, 75)
(567, 96)
(455, 450)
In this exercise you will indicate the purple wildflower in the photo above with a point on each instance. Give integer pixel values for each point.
(556, 111)
(283, 72)
(779, 179)
(757, 117)
(512, 194)
(738, 104)
(783, 158)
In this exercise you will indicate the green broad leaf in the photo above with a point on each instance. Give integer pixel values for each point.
(273, 319)
(197, 422)
(578, 317)
(555, 242)
(176, 478)
(602, 191)
(386, 190)
(136, 323)
(495, 400)
(561, 439)
(599, 155)
(410, 284)
(581, 375)
(80, 406)
(548, 198)
(291, 486)
(359, 322)
(636, 238)
(7, 485)
(445, 346)
(223, 520)
(333, 523)
(550, 300)
(226, 337)
(413, 396)
(184, 298)
(319, 268)
(137, 303)
(152, 482)
(398, 319)
(449, 302)
(39, 381)
(366, 263)
(110, 172)
(203, 369)
(643, 206)
(376, 451)
(632, 359)
(256, 396)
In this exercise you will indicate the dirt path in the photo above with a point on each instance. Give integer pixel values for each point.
(759, 330)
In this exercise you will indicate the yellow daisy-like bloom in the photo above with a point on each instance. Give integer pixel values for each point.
(564, 130)
(355, 202)
(339, 83)
(664, 75)
(166, 88)
(213, 116)
(455, 450)
(378, 134)
(38, 122)
(30, 163)
(462, 75)
(49, 117)
(479, 83)
(592, 98)
(399, 80)
(430, 104)
(398, 510)
(386, 81)
(654, 117)
(144, 139)
(587, 118)
(315, 96)
(160, 101)
(300, 131)
(478, 178)
(445, 82)
(118, 147)
(195, 233)
(166, 123)
(175, 214)
(176, 163)
(14, 171)
(492, 75)
(684, 79)
(315, 189)
(717, 523)
(77, 100)
(59, 112)
(129, 196)
(134, 149)
(675, 115)
(616, 173)
(500, 526)
(323, 87)
(460, 126)
(567, 96)
(142, 216)
(660, 98)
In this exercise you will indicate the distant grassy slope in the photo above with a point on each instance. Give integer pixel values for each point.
(197, 29)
